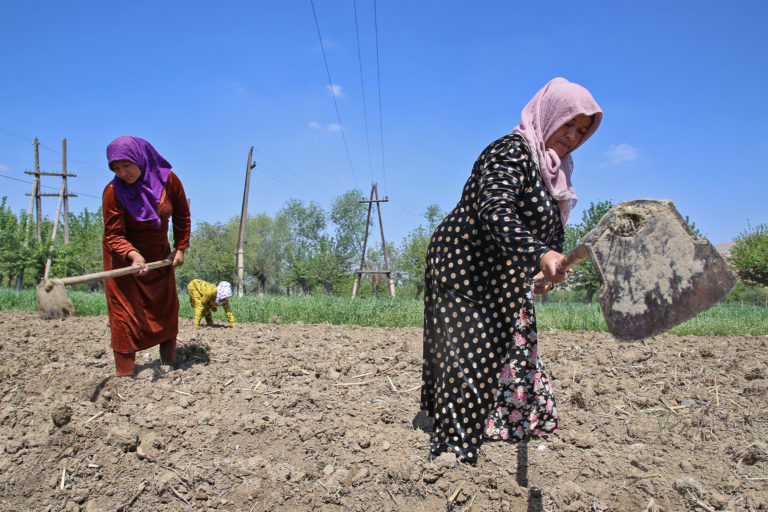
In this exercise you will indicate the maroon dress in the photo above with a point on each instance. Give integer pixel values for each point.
(143, 310)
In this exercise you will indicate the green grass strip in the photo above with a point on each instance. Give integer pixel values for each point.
(723, 320)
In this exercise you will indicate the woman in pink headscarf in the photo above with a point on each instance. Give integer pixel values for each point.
(138, 204)
(482, 378)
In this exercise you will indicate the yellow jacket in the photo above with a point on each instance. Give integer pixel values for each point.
(202, 297)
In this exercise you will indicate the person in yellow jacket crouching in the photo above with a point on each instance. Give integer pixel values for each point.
(204, 297)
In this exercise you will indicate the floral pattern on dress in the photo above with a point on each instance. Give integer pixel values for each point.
(524, 405)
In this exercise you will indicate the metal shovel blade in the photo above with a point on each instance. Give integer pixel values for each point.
(655, 272)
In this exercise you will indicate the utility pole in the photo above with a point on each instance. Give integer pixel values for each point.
(53, 232)
(386, 272)
(35, 202)
(243, 217)
(64, 191)
(32, 197)
(36, 188)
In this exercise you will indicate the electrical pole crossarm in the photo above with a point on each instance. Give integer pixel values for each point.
(41, 173)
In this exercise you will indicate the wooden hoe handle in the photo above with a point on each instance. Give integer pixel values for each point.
(98, 276)
(576, 256)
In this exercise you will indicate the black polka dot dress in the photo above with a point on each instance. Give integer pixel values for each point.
(482, 377)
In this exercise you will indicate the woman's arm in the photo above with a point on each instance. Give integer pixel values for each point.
(182, 224)
(501, 189)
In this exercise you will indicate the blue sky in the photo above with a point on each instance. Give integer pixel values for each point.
(682, 85)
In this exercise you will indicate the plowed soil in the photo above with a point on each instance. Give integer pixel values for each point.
(275, 417)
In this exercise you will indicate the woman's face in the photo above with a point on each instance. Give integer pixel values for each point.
(126, 170)
(568, 136)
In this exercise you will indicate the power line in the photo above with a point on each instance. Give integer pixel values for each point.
(378, 75)
(298, 178)
(48, 186)
(333, 94)
(15, 179)
(57, 152)
(362, 89)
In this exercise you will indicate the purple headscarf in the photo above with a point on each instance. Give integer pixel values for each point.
(141, 197)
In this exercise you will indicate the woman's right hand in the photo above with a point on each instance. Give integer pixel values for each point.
(541, 285)
(551, 264)
(137, 260)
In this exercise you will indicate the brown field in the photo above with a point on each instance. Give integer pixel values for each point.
(320, 417)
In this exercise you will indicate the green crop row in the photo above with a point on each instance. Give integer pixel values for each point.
(723, 320)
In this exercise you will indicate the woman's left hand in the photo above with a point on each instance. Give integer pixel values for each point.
(178, 258)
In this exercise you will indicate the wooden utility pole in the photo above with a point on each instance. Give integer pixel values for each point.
(36, 190)
(386, 272)
(243, 218)
(53, 232)
(35, 200)
(64, 191)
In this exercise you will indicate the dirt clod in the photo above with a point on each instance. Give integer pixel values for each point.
(61, 416)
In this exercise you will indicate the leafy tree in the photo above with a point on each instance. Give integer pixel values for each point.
(83, 253)
(313, 257)
(746, 293)
(22, 257)
(264, 244)
(305, 225)
(413, 251)
(12, 262)
(327, 264)
(211, 254)
(433, 217)
(348, 214)
(749, 255)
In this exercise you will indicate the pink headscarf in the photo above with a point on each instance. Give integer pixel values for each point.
(554, 105)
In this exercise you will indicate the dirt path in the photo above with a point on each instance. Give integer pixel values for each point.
(319, 417)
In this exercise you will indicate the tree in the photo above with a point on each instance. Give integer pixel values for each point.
(327, 264)
(749, 256)
(264, 246)
(314, 257)
(433, 216)
(348, 214)
(21, 255)
(211, 254)
(413, 252)
(12, 259)
(305, 225)
(584, 275)
(83, 253)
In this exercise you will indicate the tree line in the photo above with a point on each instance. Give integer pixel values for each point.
(305, 249)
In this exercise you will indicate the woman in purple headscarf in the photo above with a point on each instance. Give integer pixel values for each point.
(482, 378)
(137, 206)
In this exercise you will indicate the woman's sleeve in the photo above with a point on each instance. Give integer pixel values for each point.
(182, 224)
(114, 224)
(230, 316)
(501, 189)
(558, 239)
